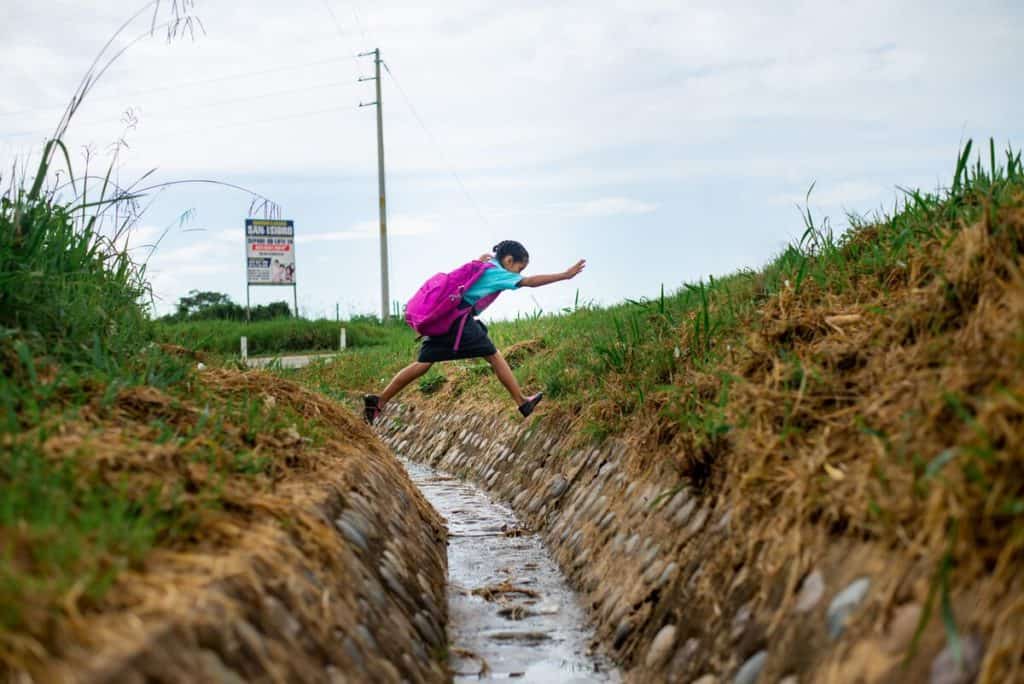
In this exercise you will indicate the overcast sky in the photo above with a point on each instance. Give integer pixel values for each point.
(663, 142)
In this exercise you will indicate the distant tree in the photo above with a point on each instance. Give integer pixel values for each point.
(204, 306)
(265, 312)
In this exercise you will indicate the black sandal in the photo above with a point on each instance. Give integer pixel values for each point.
(526, 408)
(371, 408)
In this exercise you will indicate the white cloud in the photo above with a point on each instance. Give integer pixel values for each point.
(709, 114)
(842, 194)
(609, 206)
(398, 225)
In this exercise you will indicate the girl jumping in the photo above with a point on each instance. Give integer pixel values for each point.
(509, 260)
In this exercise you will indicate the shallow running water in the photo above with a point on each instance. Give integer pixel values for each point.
(510, 612)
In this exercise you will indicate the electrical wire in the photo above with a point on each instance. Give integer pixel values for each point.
(247, 98)
(341, 33)
(184, 84)
(437, 145)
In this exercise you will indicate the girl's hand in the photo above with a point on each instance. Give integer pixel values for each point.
(575, 269)
(485, 257)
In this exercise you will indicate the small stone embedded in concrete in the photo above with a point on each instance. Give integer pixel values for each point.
(725, 521)
(660, 646)
(706, 679)
(622, 633)
(676, 502)
(901, 629)
(351, 533)
(211, 665)
(751, 670)
(698, 521)
(366, 637)
(427, 629)
(606, 520)
(683, 514)
(632, 542)
(557, 487)
(681, 660)
(654, 571)
(280, 617)
(667, 574)
(650, 555)
(790, 679)
(946, 669)
(740, 620)
(353, 652)
(811, 591)
(844, 604)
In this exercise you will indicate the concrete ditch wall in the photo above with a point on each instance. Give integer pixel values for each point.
(371, 610)
(617, 542)
(643, 550)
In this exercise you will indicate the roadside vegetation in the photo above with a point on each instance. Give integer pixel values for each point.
(275, 336)
(868, 384)
(113, 448)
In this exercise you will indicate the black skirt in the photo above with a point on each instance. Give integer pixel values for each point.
(474, 343)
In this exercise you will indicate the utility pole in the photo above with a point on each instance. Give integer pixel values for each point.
(384, 296)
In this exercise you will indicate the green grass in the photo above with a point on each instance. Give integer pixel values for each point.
(621, 355)
(275, 336)
(74, 337)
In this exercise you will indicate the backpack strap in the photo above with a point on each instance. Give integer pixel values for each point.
(462, 326)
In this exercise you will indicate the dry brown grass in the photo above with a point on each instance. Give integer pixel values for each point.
(886, 415)
(893, 412)
(217, 510)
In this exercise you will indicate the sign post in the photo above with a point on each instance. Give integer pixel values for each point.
(270, 256)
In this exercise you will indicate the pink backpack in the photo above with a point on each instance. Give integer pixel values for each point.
(436, 305)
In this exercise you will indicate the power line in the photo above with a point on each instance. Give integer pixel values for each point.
(359, 21)
(184, 84)
(254, 122)
(247, 98)
(437, 145)
(341, 33)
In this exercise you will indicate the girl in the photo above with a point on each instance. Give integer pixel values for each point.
(510, 258)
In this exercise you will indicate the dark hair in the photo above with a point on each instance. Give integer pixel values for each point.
(511, 248)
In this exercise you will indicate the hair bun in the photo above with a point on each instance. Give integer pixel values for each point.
(495, 247)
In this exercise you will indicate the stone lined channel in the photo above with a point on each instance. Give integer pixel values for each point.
(511, 613)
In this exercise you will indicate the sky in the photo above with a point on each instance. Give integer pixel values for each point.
(663, 141)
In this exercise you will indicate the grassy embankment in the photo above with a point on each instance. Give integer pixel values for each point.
(117, 459)
(868, 386)
(112, 447)
(291, 335)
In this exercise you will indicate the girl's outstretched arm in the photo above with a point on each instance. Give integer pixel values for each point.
(548, 278)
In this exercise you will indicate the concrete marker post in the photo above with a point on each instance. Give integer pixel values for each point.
(245, 348)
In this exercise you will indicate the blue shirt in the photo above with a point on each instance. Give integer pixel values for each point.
(494, 279)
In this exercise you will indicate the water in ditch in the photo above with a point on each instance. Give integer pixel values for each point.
(511, 614)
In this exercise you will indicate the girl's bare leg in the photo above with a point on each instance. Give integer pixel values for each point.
(403, 378)
(504, 373)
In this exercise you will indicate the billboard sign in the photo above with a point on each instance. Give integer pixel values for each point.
(270, 252)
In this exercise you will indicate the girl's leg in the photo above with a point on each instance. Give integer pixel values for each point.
(403, 378)
(504, 373)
